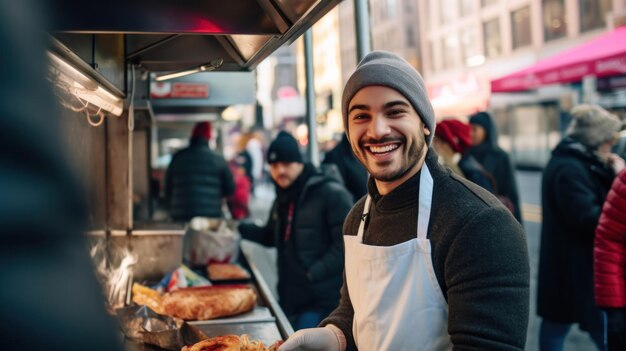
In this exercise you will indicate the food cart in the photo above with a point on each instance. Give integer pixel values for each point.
(103, 58)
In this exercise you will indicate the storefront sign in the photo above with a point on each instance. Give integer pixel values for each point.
(177, 90)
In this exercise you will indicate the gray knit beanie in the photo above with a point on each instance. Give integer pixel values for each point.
(592, 125)
(389, 70)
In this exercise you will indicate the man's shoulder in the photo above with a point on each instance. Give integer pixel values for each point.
(459, 198)
(325, 183)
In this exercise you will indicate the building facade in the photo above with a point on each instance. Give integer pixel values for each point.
(468, 43)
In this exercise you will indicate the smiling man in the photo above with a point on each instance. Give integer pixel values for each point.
(432, 261)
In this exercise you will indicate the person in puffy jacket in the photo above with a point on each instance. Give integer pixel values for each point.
(610, 263)
(305, 227)
(198, 180)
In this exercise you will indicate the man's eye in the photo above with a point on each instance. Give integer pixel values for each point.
(395, 112)
(359, 116)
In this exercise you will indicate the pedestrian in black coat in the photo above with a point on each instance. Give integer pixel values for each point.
(198, 180)
(305, 226)
(575, 184)
(495, 160)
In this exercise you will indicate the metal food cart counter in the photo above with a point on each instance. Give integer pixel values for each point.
(266, 322)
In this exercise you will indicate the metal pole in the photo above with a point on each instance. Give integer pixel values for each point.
(362, 30)
(314, 156)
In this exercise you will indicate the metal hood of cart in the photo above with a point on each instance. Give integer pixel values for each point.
(168, 36)
(602, 56)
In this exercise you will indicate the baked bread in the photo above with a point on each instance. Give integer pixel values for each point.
(208, 302)
(219, 343)
(143, 295)
(231, 343)
(226, 271)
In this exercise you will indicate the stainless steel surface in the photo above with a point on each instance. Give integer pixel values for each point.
(312, 151)
(72, 58)
(282, 322)
(266, 322)
(258, 314)
(362, 23)
(166, 35)
(158, 253)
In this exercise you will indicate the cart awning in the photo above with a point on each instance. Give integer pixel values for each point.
(601, 57)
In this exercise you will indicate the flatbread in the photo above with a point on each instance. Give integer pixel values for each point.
(143, 295)
(232, 343)
(226, 271)
(219, 343)
(208, 302)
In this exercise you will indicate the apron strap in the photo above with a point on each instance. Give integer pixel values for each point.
(425, 200)
(366, 211)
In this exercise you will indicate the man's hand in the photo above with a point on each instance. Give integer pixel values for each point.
(617, 163)
(314, 339)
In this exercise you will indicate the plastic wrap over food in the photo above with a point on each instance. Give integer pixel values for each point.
(210, 240)
(142, 324)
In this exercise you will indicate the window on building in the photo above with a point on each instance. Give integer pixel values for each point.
(409, 5)
(472, 53)
(433, 63)
(593, 13)
(410, 36)
(445, 11)
(392, 8)
(554, 23)
(493, 42)
(466, 7)
(486, 3)
(520, 22)
(450, 50)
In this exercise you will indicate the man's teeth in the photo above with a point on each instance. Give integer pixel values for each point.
(383, 149)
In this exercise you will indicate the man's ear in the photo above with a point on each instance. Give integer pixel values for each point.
(426, 130)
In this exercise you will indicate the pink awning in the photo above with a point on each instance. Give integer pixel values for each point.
(603, 56)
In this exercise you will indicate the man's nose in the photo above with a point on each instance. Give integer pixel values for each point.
(379, 126)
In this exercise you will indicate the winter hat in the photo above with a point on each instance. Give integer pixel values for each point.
(284, 149)
(455, 133)
(389, 70)
(592, 125)
(202, 130)
(482, 119)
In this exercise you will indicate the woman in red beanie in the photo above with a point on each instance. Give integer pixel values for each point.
(452, 140)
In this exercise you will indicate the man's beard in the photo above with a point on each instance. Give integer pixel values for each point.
(413, 154)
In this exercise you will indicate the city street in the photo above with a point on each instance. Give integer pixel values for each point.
(529, 185)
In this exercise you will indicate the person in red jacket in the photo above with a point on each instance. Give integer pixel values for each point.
(610, 263)
(238, 202)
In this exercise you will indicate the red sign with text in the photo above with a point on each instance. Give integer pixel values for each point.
(168, 90)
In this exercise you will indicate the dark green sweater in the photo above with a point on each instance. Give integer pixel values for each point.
(479, 255)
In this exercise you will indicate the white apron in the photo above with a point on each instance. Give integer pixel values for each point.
(398, 304)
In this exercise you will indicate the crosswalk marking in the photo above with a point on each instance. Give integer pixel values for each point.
(531, 213)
